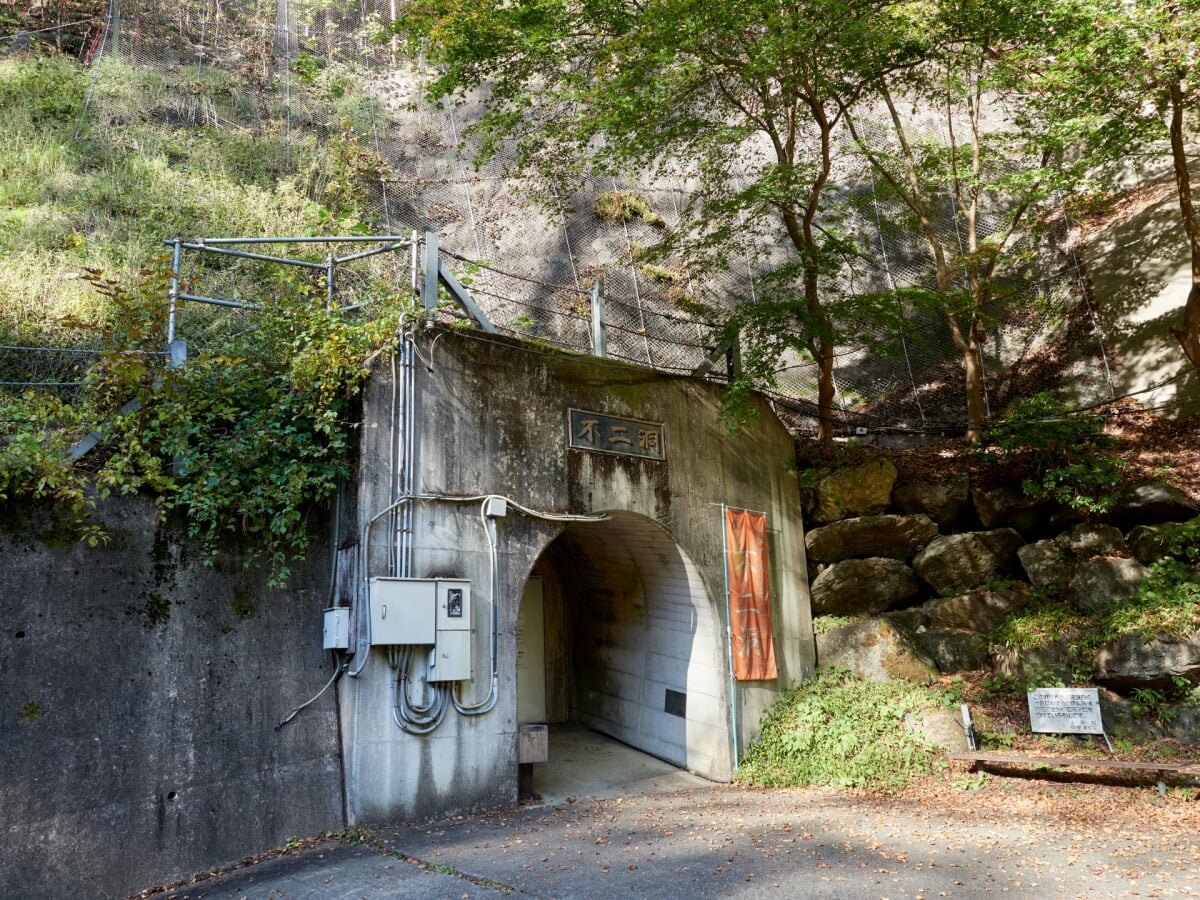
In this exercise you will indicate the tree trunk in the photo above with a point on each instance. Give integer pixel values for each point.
(974, 383)
(1189, 335)
(825, 394)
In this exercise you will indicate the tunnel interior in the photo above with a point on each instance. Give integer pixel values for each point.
(616, 632)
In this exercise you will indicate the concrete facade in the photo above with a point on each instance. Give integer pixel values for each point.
(139, 693)
(140, 688)
(633, 611)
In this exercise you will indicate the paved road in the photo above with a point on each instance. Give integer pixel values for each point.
(723, 841)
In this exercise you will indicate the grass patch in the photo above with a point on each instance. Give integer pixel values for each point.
(1043, 621)
(840, 730)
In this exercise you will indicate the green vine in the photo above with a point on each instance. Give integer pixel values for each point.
(246, 442)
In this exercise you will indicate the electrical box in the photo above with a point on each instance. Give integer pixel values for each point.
(403, 611)
(337, 628)
(451, 659)
(454, 606)
(452, 646)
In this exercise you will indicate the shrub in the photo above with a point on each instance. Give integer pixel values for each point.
(1064, 453)
(839, 730)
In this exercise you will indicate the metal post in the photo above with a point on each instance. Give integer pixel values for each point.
(429, 289)
(173, 298)
(329, 281)
(599, 336)
(729, 637)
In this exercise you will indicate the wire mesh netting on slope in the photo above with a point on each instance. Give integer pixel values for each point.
(282, 75)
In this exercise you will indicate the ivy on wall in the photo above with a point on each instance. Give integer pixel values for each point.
(245, 442)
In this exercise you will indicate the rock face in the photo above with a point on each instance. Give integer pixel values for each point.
(864, 490)
(953, 650)
(967, 560)
(1091, 539)
(895, 537)
(858, 557)
(1134, 662)
(1046, 565)
(1007, 507)
(1101, 585)
(1143, 541)
(862, 587)
(1149, 504)
(977, 611)
(875, 650)
(939, 726)
(943, 503)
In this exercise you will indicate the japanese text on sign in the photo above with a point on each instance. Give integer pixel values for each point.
(1065, 711)
(593, 431)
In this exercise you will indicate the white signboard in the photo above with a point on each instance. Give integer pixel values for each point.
(1065, 710)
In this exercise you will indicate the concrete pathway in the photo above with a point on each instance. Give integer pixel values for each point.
(656, 832)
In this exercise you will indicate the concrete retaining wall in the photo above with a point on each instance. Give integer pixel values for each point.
(139, 690)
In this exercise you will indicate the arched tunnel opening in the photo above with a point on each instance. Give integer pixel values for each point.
(618, 637)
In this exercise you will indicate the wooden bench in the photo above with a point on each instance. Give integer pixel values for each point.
(1161, 769)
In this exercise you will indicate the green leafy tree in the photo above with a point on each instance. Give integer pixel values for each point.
(970, 188)
(698, 86)
(1127, 74)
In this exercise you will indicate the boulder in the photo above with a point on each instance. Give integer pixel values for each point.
(1136, 661)
(943, 503)
(876, 650)
(1182, 722)
(954, 650)
(896, 537)
(1143, 541)
(977, 611)
(864, 490)
(1007, 506)
(1089, 539)
(1047, 566)
(960, 561)
(1149, 504)
(939, 726)
(1103, 584)
(856, 587)
(912, 619)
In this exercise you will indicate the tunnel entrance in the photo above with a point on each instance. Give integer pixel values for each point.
(617, 633)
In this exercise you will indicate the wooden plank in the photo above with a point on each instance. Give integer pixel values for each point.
(1020, 759)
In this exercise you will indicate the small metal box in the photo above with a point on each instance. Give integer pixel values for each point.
(337, 628)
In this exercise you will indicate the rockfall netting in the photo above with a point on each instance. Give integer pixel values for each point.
(284, 74)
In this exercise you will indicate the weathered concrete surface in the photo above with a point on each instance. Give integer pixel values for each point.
(139, 693)
(634, 605)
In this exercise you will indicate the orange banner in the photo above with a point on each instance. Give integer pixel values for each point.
(749, 596)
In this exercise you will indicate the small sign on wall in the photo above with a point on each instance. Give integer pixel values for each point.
(608, 434)
(1065, 711)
